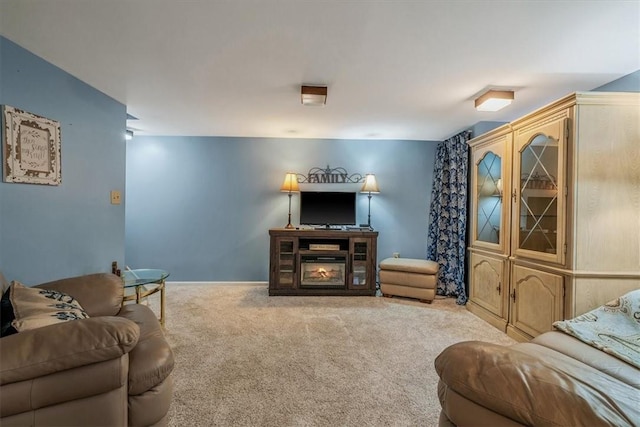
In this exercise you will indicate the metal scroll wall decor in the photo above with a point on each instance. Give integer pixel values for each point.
(329, 175)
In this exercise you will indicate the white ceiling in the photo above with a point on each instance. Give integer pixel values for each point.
(394, 69)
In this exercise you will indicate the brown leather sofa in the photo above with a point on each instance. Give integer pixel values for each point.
(112, 369)
(554, 380)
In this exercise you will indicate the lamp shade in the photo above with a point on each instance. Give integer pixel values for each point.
(290, 182)
(370, 184)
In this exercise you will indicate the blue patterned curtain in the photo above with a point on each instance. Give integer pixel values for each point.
(448, 215)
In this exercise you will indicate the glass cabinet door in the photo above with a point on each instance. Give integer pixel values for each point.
(538, 194)
(359, 264)
(490, 179)
(489, 198)
(286, 250)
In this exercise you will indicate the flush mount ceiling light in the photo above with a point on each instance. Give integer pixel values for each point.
(494, 100)
(315, 96)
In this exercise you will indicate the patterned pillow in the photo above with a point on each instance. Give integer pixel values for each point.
(25, 308)
(613, 328)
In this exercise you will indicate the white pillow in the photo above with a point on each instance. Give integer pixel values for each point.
(36, 307)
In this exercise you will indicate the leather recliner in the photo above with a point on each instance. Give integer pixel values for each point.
(112, 369)
(554, 380)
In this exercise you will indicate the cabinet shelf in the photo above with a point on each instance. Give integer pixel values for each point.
(539, 193)
(323, 252)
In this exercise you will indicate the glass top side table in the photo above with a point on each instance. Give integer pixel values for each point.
(146, 282)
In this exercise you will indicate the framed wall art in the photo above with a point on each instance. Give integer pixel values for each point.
(30, 147)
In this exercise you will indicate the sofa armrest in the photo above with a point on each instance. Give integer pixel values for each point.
(534, 385)
(99, 294)
(42, 351)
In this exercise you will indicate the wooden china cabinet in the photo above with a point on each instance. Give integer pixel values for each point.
(555, 210)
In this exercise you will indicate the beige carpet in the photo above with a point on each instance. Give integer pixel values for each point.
(246, 359)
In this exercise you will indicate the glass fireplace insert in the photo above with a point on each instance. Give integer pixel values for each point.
(323, 271)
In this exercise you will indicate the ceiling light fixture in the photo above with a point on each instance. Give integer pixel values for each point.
(494, 100)
(315, 96)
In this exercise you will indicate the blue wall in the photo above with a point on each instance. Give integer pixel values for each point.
(199, 207)
(50, 232)
(484, 127)
(202, 207)
(628, 83)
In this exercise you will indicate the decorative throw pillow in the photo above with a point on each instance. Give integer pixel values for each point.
(613, 328)
(33, 308)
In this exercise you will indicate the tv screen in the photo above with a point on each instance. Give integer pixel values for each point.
(327, 208)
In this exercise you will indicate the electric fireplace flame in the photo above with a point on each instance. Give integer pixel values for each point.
(323, 274)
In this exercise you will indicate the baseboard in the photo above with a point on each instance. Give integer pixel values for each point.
(169, 283)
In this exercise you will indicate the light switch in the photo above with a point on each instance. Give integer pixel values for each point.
(116, 198)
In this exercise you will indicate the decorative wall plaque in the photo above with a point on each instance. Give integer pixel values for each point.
(31, 148)
(329, 176)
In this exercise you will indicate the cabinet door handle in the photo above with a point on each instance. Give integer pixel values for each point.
(499, 288)
(513, 295)
(514, 195)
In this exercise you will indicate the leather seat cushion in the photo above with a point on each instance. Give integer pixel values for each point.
(151, 361)
(576, 349)
(410, 265)
(535, 385)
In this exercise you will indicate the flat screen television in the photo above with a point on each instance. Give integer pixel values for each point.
(327, 208)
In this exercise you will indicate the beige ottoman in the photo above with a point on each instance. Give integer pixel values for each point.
(407, 277)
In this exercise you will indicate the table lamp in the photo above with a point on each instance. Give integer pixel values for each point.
(290, 185)
(370, 186)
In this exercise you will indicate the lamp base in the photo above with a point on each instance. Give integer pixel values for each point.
(288, 226)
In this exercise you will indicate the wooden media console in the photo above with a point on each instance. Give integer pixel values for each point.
(322, 262)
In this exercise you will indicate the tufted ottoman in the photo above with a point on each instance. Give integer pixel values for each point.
(408, 277)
